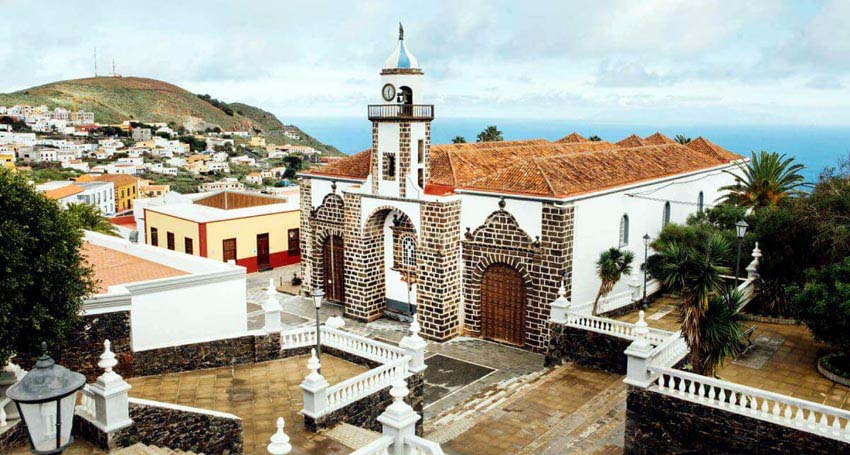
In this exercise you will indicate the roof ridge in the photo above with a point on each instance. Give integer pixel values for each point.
(543, 173)
(449, 154)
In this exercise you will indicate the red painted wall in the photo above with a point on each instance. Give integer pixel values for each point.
(275, 259)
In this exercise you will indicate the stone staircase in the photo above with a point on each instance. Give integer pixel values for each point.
(142, 449)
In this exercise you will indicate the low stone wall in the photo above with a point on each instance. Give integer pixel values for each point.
(364, 413)
(13, 436)
(180, 429)
(211, 354)
(591, 349)
(661, 424)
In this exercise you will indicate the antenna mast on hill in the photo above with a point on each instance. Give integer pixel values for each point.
(95, 61)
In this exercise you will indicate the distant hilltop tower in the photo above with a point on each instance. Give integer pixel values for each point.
(401, 126)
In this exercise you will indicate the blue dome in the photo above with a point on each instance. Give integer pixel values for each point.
(401, 57)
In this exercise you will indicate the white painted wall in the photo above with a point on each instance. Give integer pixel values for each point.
(320, 188)
(474, 210)
(597, 224)
(396, 289)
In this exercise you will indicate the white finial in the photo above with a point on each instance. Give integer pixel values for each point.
(562, 291)
(757, 251)
(414, 325)
(271, 290)
(279, 444)
(641, 331)
(313, 365)
(107, 359)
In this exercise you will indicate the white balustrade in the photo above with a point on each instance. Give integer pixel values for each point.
(3, 404)
(669, 352)
(380, 446)
(613, 327)
(756, 403)
(365, 384)
(614, 302)
(298, 338)
(87, 407)
(342, 340)
(421, 446)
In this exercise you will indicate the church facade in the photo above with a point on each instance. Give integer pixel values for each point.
(477, 238)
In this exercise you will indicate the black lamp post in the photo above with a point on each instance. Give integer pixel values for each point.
(318, 296)
(740, 231)
(45, 398)
(645, 271)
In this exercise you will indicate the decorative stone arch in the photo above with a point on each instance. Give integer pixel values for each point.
(325, 220)
(331, 211)
(502, 228)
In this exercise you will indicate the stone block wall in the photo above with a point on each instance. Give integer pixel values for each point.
(13, 436)
(404, 156)
(364, 413)
(439, 280)
(305, 188)
(591, 349)
(661, 424)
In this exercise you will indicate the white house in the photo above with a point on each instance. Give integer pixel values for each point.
(479, 237)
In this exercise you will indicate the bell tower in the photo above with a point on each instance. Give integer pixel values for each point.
(401, 127)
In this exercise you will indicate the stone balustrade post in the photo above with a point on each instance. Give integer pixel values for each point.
(753, 267)
(415, 346)
(636, 286)
(399, 419)
(279, 442)
(10, 374)
(315, 389)
(335, 322)
(271, 310)
(637, 354)
(560, 307)
(111, 394)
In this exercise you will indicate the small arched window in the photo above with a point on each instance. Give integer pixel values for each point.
(700, 202)
(665, 218)
(624, 231)
(408, 252)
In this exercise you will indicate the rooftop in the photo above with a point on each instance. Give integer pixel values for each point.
(113, 267)
(117, 179)
(221, 205)
(63, 191)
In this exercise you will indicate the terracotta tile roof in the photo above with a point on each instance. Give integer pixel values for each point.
(553, 169)
(709, 148)
(632, 141)
(63, 192)
(572, 137)
(113, 267)
(117, 179)
(658, 139)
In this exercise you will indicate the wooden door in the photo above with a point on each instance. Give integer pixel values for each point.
(229, 248)
(333, 260)
(263, 262)
(294, 242)
(503, 304)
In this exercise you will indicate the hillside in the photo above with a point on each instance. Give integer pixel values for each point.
(115, 99)
(269, 124)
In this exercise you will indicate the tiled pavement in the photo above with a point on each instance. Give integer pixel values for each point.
(258, 393)
(662, 313)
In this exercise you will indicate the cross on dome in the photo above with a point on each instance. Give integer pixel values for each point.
(401, 57)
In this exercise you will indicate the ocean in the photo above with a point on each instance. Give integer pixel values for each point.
(817, 147)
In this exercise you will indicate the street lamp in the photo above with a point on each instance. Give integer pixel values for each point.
(45, 398)
(740, 231)
(645, 256)
(318, 295)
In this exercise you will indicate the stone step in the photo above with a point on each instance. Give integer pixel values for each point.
(143, 449)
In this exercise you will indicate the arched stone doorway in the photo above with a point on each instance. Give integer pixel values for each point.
(392, 243)
(333, 264)
(503, 304)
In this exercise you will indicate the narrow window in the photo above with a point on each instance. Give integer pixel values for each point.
(700, 202)
(665, 219)
(188, 247)
(154, 236)
(389, 166)
(624, 231)
(408, 252)
(229, 248)
(294, 242)
(421, 151)
(169, 238)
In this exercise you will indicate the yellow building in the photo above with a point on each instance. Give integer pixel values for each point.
(126, 189)
(257, 141)
(7, 160)
(148, 189)
(259, 232)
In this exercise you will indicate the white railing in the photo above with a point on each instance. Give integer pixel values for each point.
(345, 341)
(613, 327)
(747, 289)
(756, 403)
(380, 446)
(613, 302)
(421, 446)
(365, 384)
(87, 407)
(669, 352)
(3, 404)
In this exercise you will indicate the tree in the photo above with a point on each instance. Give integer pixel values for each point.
(824, 304)
(765, 181)
(594, 138)
(682, 139)
(721, 330)
(694, 271)
(88, 217)
(45, 277)
(459, 140)
(490, 134)
(612, 264)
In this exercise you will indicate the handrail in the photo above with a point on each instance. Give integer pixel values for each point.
(87, 407)
(613, 327)
(345, 341)
(669, 352)
(3, 404)
(366, 383)
(379, 446)
(401, 112)
(751, 402)
(421, 446)
(613, 302)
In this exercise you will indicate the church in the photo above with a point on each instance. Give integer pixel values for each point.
(476, 239)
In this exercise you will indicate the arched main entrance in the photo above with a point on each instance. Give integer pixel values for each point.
(333, 261)
(503, 304)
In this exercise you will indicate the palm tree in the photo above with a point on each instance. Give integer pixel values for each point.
(490, 134)
(613, 263)
(459, 140)
(594, 138)
(695, 273)
(721, 330)
(682, 139)
(88, 217)
(765, 181)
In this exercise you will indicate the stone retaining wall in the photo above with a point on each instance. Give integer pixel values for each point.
(13, 436)
(661, 424)
(364, 413)
(591, 349)
(211, 354)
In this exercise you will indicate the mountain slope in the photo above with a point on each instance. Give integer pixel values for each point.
(115, 99)
(273, 128)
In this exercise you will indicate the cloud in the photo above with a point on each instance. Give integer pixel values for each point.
(825, 83)
(628, 74)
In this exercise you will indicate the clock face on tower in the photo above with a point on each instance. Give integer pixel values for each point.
(388, 92)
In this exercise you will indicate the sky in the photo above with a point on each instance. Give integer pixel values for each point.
(655, 61)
